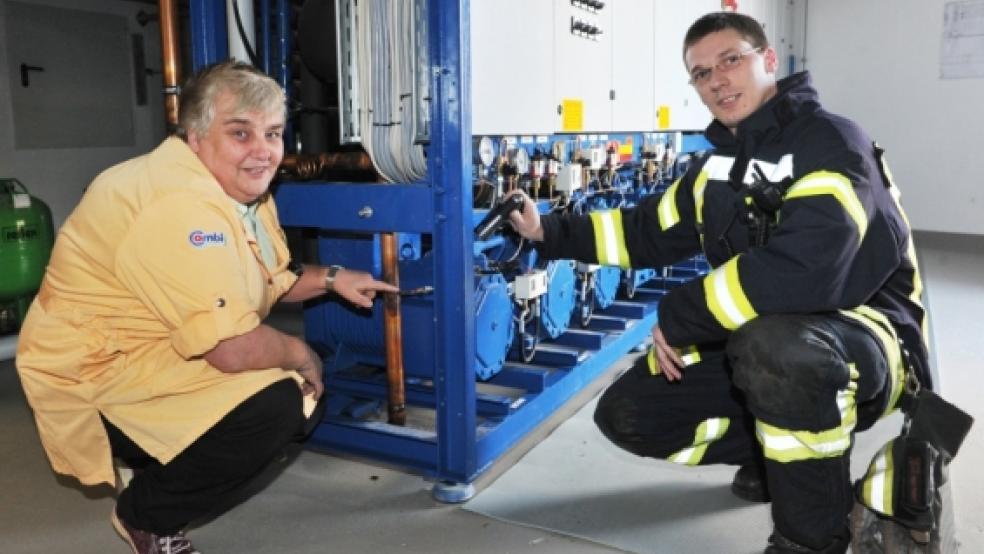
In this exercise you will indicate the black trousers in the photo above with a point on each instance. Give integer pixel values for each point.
(164, 498)
(782, 370)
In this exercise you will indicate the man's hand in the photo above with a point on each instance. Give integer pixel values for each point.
(359, 287)
(526, 222)
(670, 362)
(311, 371)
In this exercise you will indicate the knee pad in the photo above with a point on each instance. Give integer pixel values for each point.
(625, 422)
(788, 367)
(618, 419)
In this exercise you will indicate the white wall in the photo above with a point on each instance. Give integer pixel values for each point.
(58, 176)
(878, 62)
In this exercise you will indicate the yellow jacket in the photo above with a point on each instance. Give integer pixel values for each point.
(152, 269)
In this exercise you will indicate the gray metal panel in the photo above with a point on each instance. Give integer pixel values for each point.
(348, 80)
(83, 95)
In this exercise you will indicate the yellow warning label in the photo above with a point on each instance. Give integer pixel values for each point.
(572, 115)
(663, 117)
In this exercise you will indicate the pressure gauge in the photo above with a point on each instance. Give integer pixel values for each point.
(485, 151)
(520, 159)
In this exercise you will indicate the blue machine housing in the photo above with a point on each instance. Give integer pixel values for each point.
(353, 337)
(607, 281)
(478, 401)
(558, 304)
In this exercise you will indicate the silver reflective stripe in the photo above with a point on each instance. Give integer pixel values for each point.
(718, 168)
(774, 172)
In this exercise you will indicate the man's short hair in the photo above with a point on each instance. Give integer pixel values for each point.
(747, 27)
(253, 90)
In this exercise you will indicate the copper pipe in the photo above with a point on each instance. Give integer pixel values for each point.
(172, 60)
(353, 166)
(393, 335)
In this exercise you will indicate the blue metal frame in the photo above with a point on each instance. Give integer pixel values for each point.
(209, 34)
(472, 428)
(264, 49)
(283, 37)
(450, 172)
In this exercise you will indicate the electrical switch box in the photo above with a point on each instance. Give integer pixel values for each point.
(569, 179)
(530, 285)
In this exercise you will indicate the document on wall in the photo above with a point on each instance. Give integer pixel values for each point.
(962, 50)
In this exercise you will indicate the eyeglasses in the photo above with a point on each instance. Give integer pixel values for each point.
(702, 75)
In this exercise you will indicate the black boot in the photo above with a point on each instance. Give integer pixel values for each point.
(779, 544)
(749, 484)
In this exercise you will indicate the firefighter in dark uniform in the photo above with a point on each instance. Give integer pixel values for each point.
(795, 341)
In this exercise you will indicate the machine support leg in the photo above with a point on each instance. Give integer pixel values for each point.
(451, 492)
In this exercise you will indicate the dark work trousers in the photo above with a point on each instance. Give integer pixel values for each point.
(783, 370)
(163, 499)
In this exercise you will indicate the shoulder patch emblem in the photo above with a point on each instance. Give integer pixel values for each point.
(201, 239)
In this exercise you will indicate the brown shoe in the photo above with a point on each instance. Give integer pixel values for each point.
(143, 542)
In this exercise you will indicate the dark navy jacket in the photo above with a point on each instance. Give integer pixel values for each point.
(841, 242)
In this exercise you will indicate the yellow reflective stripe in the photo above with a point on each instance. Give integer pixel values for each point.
(689, 354)
(667, 210)
(876, 492)
(845, 399)
(609, 239)
(785, 445)
(838, 186)
(917, 286)
(699, 187)
(707, 432)
(883, 330)
(725, 298)
(652, 362)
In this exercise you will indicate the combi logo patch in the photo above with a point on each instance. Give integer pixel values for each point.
(201, 239)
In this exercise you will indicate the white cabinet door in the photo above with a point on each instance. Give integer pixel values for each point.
(582, 69)
(512, 67)
(633, 65)
(681, 106)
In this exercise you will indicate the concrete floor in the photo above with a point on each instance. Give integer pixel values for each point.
(309, 502)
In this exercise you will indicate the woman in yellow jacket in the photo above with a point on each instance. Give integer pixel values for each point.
(146, 340)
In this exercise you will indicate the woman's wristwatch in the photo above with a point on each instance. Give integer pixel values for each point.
(330, 277)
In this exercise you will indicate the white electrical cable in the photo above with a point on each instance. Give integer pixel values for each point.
(239, 46)
(386, 72)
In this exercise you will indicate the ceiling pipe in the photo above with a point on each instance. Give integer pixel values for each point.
(172, 61)
(345, 166)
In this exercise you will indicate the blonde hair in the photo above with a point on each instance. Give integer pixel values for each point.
(253, 90)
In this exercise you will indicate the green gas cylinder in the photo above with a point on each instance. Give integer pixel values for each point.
(26, 237)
